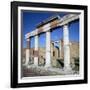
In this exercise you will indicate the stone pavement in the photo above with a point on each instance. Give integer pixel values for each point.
(42, 71)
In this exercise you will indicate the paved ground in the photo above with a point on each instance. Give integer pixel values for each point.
(40, 71)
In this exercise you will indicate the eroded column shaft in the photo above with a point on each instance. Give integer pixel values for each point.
(66, 47)
(48, 57)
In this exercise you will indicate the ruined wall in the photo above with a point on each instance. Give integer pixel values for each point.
(74, 53)
(54, 54)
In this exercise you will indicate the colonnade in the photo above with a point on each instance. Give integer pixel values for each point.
(48, 56)
(64, 22)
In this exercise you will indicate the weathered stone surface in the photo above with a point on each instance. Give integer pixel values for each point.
(41, 71)
(74, 54)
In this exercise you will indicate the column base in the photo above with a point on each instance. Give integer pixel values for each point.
(47, 66)
(68, 70)
(31, 66)
(36, 61)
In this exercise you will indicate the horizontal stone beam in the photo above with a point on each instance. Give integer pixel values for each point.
(30, 34)
(67, 19)
(59, 22)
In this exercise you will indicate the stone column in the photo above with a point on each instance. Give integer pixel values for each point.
(36, 51)
(48, 57)
(60, 46)
(66, 48)
(27, 51)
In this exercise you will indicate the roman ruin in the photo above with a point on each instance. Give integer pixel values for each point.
(50, 52)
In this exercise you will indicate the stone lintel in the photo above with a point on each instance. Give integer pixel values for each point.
(59, 22)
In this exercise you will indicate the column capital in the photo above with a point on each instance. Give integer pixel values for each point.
(28, 39)
(66, 25)
(48, 31)
(37, 35)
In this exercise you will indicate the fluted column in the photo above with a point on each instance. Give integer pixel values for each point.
(36, 51)
(48, 57)
(60, 46)
(66, 48)
(27, 51)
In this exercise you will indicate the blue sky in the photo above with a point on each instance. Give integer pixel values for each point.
(30, 19)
